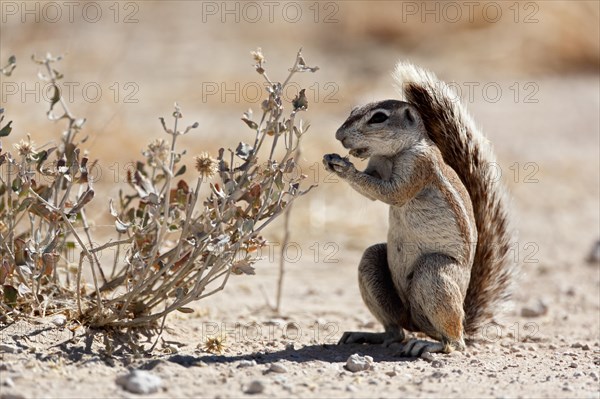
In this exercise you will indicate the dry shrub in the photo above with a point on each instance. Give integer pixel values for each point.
(177, 247)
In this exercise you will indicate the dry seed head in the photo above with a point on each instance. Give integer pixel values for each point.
(158, 150)
(214, 344)
(205, 165)
(25, 148)
(258, 56)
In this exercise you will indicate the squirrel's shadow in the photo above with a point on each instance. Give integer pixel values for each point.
(324, 353)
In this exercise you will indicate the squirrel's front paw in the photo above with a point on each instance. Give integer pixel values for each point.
(338, 164)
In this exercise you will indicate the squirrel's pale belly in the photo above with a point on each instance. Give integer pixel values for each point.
(426, 224)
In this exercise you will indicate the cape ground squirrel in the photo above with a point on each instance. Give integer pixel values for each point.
(444, 270)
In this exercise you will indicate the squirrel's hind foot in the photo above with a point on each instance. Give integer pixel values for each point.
(416, 347)
(383, 338)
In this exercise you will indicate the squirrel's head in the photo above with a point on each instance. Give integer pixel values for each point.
(381, 128)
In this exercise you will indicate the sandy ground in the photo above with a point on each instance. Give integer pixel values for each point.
(548, 153)
(554, 355)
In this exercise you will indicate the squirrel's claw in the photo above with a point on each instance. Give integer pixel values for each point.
(417, 347)
(359, 337)
(337, 163)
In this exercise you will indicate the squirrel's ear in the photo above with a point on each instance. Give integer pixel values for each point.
(410, 117)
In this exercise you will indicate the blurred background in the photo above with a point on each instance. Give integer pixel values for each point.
(527, 71)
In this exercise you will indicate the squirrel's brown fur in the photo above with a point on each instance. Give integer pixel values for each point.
(444, 269)
(465, 150)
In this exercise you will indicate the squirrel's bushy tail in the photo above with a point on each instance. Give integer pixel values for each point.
(469, 153)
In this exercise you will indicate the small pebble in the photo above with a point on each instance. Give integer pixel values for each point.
(573, 365)
(594, 375)
(351, 388)
(551, 346)
(391, 373)
(31, 364)
(246, 363)
(280, 379)
(7, 348)
(140, 381)
(437, 364)
(11, 396)
(369, 324)
(594, 254)
(278, 368)
(536, 310)
(255, 387)
(437, 374)
(288, 387)
(276, 322)
(427, 356)
(59, 320)
(359, 363)
(8, 382)
(290, 346)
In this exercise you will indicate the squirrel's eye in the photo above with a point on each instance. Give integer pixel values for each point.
(378, 117)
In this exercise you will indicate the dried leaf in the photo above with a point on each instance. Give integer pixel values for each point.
(23, 289)
(217, 190)
(85, 198)
(78, 124)
(180, 171)
(25, 204)
(5, 131)
(251, 124)
(243, 150)
(111, 206)
(247, 226)
(10, 295)
(300, 102)
(25, 270)
(183, 186)
(55, 97)
(42, 211)
(242, 267)
(5, 269)
(122, 227)
(50, 261)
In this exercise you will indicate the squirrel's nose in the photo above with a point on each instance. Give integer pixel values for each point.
(339, 135)
(344, 142)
